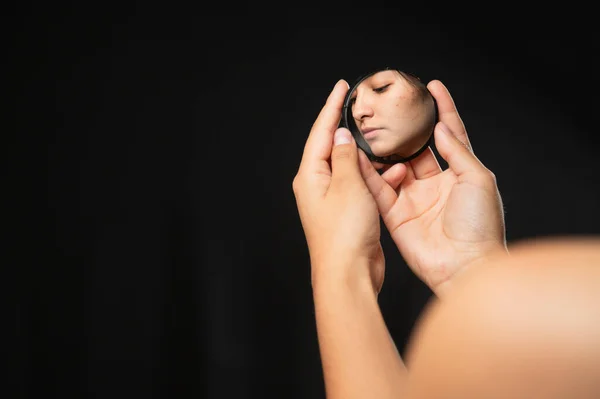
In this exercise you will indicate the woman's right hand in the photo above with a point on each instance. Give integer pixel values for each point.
(443, 222)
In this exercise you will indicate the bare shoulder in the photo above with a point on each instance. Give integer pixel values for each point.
(525, 326)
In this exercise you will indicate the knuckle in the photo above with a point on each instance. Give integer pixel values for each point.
(489, 175)
(466, 146)
(486, 178)
(296, 184)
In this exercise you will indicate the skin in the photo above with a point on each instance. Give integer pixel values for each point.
(442, 222)
(403, 115)
(324, 199)
(527, 326)
(359, 357)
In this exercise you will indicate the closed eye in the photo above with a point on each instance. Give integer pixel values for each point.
(381, 89)
(376, 90)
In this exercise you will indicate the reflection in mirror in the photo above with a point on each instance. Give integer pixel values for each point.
(391, 114)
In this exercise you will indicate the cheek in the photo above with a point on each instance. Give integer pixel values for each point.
(402, 104)
(408, 110)
(405, 101)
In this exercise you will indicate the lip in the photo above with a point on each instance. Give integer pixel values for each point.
(369, 132)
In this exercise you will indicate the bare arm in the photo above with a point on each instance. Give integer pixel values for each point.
(359, 357)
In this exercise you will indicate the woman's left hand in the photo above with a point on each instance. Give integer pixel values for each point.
(338, 212)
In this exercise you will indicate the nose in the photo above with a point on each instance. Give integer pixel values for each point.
(362, 108)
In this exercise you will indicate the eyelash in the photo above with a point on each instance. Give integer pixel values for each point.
(378, 90)
(381, 89)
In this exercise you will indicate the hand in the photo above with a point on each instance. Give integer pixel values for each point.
(442, 221)
(338, 213)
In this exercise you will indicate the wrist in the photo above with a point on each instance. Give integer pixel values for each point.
(342, 276)
(482, 260)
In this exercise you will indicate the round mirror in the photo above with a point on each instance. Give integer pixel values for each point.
(391, 115)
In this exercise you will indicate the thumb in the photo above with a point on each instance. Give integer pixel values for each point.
(344, 158)
(459, 156)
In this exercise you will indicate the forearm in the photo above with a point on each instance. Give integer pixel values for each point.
(359, 357)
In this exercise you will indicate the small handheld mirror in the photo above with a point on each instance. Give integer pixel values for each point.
(391, 115)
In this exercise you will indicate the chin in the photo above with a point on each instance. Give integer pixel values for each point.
(381, 151)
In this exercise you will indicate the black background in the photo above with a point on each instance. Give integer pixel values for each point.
(162, 144)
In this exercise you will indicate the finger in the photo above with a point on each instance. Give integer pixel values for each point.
(385, 167)
(425, 165)
(366, 165)
(318, 145)
(460, 158)
(345, 169)
(394, 175)
(410, 174)
(384, 194)
(382, 167)
(447, 112)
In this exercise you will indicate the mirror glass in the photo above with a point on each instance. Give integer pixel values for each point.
(391, 115)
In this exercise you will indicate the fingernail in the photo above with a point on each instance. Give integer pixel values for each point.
(342, 136)
(342, 82)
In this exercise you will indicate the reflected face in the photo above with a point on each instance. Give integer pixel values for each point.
(396, 116)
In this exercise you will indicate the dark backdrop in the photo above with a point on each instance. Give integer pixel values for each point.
(164, 143)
